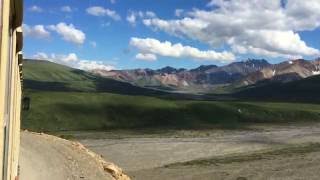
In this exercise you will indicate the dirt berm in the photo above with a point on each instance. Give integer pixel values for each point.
(46, 157)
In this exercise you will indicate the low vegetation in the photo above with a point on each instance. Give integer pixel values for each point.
(62, 111)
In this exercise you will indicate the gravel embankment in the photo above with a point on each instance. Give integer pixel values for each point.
(48, 157)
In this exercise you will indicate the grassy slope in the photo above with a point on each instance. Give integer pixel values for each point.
(56, 111)
(48, 76)
(48, 71)
(306, 90)
(55, 76)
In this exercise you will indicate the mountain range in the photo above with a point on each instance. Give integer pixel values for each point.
(296, 80)
(212, 78)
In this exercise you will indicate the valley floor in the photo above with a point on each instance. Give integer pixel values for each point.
(257, 152)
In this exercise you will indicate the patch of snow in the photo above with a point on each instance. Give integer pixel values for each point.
(316, 72)
(290, 62)
(273, 72)
(184, 83)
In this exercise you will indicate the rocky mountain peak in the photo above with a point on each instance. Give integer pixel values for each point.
(257, 62)
(168, 70)
(204, 68)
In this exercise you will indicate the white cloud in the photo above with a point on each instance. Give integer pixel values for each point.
(146, 57)
(72, 57)
(131, 18)
(112, 1)
(303, 15)
(178, 12)
(69, 32)
(73, 61)
(66, 9)
(150, 14)
(35, 8)
(100, 11)
(91, 65)
(37, 31)
(258, 27)
(93, 44)
(155, 47)
(65, 59)
(273, 44)
(105, 24)
(40, 55)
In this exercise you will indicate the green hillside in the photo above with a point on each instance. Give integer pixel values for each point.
(45, 75)
(47, 71)
(60, 111)
(48, 76)
(305, 90)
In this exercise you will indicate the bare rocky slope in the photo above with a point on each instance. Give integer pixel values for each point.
(51, 158)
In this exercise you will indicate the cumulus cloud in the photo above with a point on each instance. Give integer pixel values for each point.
(69, 32)
(73, 61)
(101, 11)
(66, 9)
(133, 16)
(150, 46)
(146, 57)
(37, 31)
(66, 59)
(259, 27)
(91, 65)
(273, 44)
(35, 8)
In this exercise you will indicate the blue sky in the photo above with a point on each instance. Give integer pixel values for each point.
(126, 34)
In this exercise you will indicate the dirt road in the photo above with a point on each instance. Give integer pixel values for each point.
(152, 157)
(45, 157)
